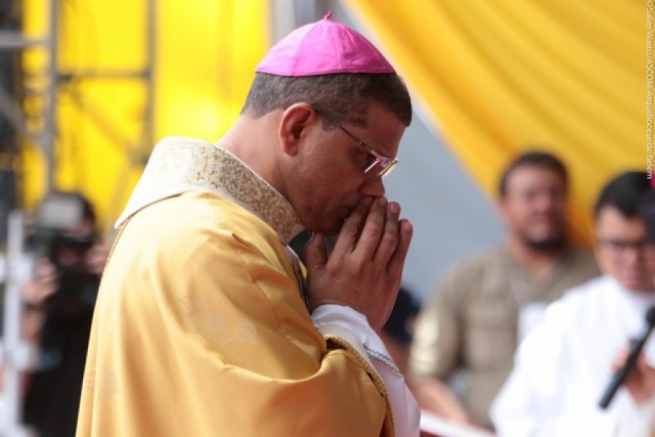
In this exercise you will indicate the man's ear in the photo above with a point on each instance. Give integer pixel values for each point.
(293, 126)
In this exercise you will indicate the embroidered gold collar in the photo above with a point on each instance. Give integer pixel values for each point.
(179, 165)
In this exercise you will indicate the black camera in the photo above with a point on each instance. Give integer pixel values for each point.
(63, 234)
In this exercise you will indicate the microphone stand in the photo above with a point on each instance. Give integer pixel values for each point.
(636, 347)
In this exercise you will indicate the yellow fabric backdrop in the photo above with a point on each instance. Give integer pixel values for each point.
(205, 59)
(495, 77)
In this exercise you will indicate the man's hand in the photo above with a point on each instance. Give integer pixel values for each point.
(640, 382)
(44, 283)
(96, 257)
(364, 269)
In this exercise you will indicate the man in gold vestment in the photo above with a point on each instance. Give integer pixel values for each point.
(206, 323)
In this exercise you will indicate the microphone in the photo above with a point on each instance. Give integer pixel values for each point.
(635, 349)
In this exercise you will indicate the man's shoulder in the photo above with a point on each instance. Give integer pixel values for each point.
(588, 289)
(480, 273)
(577, 266)
(477, 264)
(198, 216)
(581, 299)
(197, 207)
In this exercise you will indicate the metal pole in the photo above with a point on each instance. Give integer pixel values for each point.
(11, 40)
(15, 352)
(151, 58)
(283, 18)
(50, 110)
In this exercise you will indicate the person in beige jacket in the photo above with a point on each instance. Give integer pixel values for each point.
(471, 325)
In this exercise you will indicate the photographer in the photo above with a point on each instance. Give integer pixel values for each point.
(59, 308)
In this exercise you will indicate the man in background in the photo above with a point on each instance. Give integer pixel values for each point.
(565, 364)
(59, 303)
(471, 325)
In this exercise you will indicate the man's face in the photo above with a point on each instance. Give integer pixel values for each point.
(624, 250)
(71, 254)
(534, 206)
(329, 172)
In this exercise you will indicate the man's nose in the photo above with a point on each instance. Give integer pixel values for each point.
(544, 202)
(372, 186)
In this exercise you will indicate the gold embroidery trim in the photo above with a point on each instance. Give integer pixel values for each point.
(181, 163)
(372, 373)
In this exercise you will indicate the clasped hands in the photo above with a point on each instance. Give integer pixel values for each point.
(364, 269)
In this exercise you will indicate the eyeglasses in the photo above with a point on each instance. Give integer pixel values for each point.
(379, 165)
(619, 248)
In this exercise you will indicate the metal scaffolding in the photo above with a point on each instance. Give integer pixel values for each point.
(14, 352)
(12, 110)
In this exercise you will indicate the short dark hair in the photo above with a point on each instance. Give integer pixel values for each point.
(533, 158)
(624, 192)
(88, 211)
(342, 97)
(647, 212)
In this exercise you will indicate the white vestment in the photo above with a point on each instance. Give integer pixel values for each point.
(564, 365)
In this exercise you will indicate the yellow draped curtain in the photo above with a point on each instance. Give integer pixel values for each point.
(497, 77)
(206, 52)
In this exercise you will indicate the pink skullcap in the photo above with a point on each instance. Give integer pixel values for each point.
(323, 47)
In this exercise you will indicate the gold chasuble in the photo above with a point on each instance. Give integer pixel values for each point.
(200, 328)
